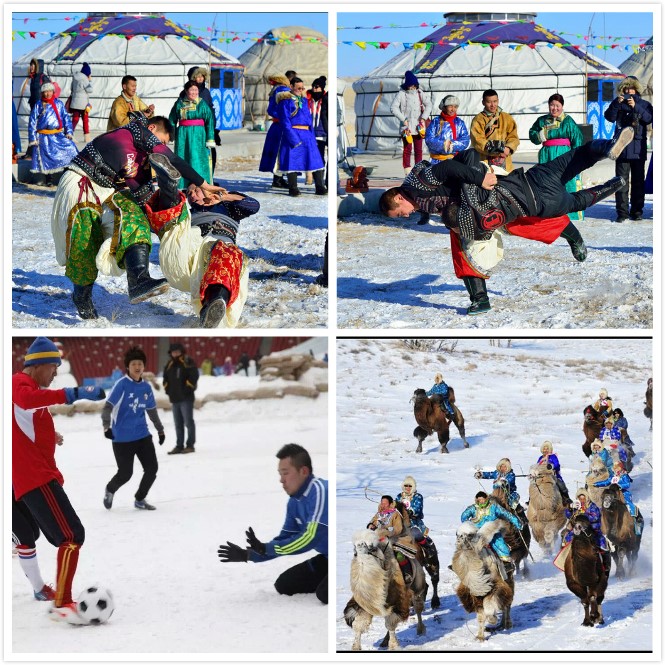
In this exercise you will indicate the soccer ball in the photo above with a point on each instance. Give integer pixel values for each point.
(95, 605)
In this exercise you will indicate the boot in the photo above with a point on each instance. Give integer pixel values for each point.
(320, 188)
(424, 218)
(39, 179)
(278, 182)
(575, 240)
(477, 289)
(587, 197)
(612, 148)
(82, 298)
(168, 178)
(214, 305)
(293, 184)
(139, 283)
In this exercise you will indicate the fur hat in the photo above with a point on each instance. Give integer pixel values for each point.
(610, 421)
(41, 352)
(85, 70)
(547, 445)
(619, 465)
(410, 79)
(629, 82)
(199, 71)
(278, 79)
(582, 492)
(449, 100)
(46, 87)
(597, 442)
(438, 377)
(603, 393)
(410, 480)
(506, 461)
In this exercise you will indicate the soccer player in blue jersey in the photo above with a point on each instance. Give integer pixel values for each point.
(125, 424)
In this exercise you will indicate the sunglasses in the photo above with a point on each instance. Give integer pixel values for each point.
(407, 485)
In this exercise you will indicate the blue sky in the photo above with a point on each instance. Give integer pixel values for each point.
(354, 61)
(258, 24)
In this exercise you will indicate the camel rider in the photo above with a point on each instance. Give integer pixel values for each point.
(623, 480)
(441, 388)
(604, 403)
(549, 459)
(388, 524)
(621, 423)
(483, 511)
(504, 471)
(584, 505)
(598, 448)
(609, 432)
(413, 501)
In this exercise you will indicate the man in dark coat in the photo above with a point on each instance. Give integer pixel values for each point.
(180, 378)
(628, 109)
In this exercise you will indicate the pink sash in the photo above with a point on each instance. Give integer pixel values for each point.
(550, 142)
(196, 121)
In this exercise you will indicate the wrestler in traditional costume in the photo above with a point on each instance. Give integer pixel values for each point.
(102, 196)
(50, 134)
(531, 204)
(274, 136)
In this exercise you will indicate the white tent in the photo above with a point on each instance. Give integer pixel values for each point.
(509, 53)
(640, 65)
(156, 51)
(342, 138)
(295, 47)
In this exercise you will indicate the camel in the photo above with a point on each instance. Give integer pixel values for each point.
(545, 512)
(618, 525)
(597, 472)
(378, 589)
(482, 588)
(431, 417)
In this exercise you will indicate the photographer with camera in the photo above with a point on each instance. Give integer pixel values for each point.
(494, 133)
(628, 109)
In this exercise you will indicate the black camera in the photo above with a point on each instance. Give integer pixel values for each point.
(627, 97)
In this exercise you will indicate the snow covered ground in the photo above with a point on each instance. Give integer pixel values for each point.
(404, 278)
(283, 242)
(172, 594)
(512, 400)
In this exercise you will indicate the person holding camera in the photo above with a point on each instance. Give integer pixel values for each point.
(628, 109)
(494, 133)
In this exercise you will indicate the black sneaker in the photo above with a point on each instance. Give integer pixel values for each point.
(108, 499)
(143, 505)
(621, 220)
(636, 217)
(176, 451)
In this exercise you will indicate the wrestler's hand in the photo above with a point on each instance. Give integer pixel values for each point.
(212, 189)
(232, 197)
(489, 181)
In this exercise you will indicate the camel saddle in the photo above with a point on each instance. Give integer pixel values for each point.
(358, 181)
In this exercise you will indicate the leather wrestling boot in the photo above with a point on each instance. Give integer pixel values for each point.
(139, 283)
(293, 184)
(319, 186)
(587, 197)
(82, 298)
(278, 182)
(214, 305)
(168, 178)
(477, 289)
(612, 148)
(575, 240)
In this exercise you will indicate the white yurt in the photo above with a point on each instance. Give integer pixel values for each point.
(508, 52)
(294, 47)
(157, 51)
(640, 65)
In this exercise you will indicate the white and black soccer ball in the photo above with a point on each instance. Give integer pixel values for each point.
(95, 605)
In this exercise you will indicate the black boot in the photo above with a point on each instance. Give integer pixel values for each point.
(319, 186)
(587, 197)
(214, 305)
(168, 178)
(612, 148)
(139, 283)
(82, 298)
(39, 179)
(278, 182)
(477, 289)
(424, 218)
(293, 184)
(575, 240)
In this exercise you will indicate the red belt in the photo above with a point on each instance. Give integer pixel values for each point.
(189, 123)
(550, 142)
(274, 119)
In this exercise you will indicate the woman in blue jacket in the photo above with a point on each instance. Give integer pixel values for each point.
(447, 134)
(440, 387)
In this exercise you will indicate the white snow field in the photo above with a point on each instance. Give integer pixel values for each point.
(396, 274)
(172, 594)
(512, 400)
(283, 243)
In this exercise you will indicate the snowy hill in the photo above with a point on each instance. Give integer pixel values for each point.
(512, 400)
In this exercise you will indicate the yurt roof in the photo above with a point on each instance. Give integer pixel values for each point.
(640, 65)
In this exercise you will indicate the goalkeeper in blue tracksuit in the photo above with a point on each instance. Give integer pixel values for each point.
(305, 528)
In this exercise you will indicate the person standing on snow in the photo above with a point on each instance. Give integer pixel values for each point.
(180, 378)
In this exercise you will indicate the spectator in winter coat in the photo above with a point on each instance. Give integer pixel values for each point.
(317, 100)
(482, 511)
(447, 134)
(127, 102)
(628, 109)
(549, 459)
(243, 363)
(504, 471)
(36, 79)
(268, 163)
(412, 108)
(305, 528)
(494, 132)
(441, 388)
(36, 479)
(227, 367)
(124, 422)
(180, 380)
(79, 104)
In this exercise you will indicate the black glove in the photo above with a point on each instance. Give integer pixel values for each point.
(162, 437)
(108, 433)
(232, 553)
(254, 542)
(218, 139)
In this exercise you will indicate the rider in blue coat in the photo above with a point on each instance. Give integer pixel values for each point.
(598, 448)
(274, 136)
(414, 502)
(549, 458)
(504, 471)
(584, 504)
(483, 511)
(441, 388)
(624, 481)
(621, 423)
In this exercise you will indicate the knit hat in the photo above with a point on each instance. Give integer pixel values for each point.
(85, 70)
(409, 80)
(449, 100)
(547, 445)
(320, 82)
(47, 86)
(41, 352)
